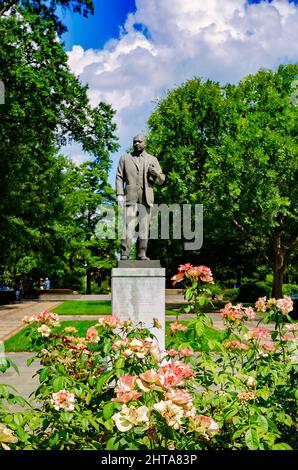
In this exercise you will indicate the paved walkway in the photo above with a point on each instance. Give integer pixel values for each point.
(11, 315)
(24, 382)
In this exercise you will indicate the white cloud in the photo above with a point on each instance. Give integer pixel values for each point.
(221, 40)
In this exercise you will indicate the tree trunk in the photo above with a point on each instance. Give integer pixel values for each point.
(88, 281)
(279, 265)
(278, 275)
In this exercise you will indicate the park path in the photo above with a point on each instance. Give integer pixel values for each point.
(11, 315)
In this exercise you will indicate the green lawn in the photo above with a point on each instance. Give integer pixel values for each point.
(20, 343)
(172, 312)
(90, 307)
(84, 307)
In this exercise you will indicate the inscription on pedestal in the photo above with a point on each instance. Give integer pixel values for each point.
(139, 294)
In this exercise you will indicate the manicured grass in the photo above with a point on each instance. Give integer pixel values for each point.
(90, 307)
(84, 307)
(172, 312)
(20, 343)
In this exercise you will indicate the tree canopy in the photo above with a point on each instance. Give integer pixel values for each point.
(45, 107)
(234, 149)
(47, 9)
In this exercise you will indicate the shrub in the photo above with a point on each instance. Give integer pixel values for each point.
(230, 294)
(290, 289)
(251, 291)
(114, 390)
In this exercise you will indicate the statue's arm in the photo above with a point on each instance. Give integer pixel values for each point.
(160, 178)
(120, 178)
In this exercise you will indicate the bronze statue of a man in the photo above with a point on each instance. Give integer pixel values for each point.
(136, 175)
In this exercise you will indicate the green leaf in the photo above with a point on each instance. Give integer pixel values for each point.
(94, 423)
(54, 439)
(187, 309)
(183, 346)
(265, 394)
(85, 423)
(120, 363)
(13, 365)
(112, 444)
(231, 413)
(22, 435)
(188, 294)
(108, 410)
(66, 416)
(58, 384)
(109, 425)
(34, 422)
(4, 391)
(287, 420)
(30, 360)
(107, 346)
(207, 320)
(281, 446)
(199, 327)
(239, 432)
(103, 379)
(272, 426)
(18, 419)
(203, 300)
(252, 439)
(44, 374)
(262, 423)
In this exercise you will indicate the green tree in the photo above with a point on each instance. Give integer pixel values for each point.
(98, 254)
(234, 149)
(45, 107)
(191, 119)
(47, 9)
(258, 162)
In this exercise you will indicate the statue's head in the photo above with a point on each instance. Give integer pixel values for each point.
(139, 143)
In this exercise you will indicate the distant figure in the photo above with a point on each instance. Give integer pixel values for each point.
(41, 284)
(17, 291)
(47, 283)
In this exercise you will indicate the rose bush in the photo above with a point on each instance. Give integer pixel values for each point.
(196, 280)
(114, 389)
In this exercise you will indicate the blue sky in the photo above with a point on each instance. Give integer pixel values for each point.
(223, 40)
(96, 30)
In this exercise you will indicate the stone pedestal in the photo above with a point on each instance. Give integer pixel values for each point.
(138, 292)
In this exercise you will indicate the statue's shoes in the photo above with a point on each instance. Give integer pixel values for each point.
(123, 258)
(143, 258)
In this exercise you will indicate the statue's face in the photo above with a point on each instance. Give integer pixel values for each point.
(139, 144)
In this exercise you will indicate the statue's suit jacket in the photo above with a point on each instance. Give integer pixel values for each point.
(127, 178)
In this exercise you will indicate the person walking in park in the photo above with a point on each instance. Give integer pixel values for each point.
(17, 291)
(137, 173)
(47, 283)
